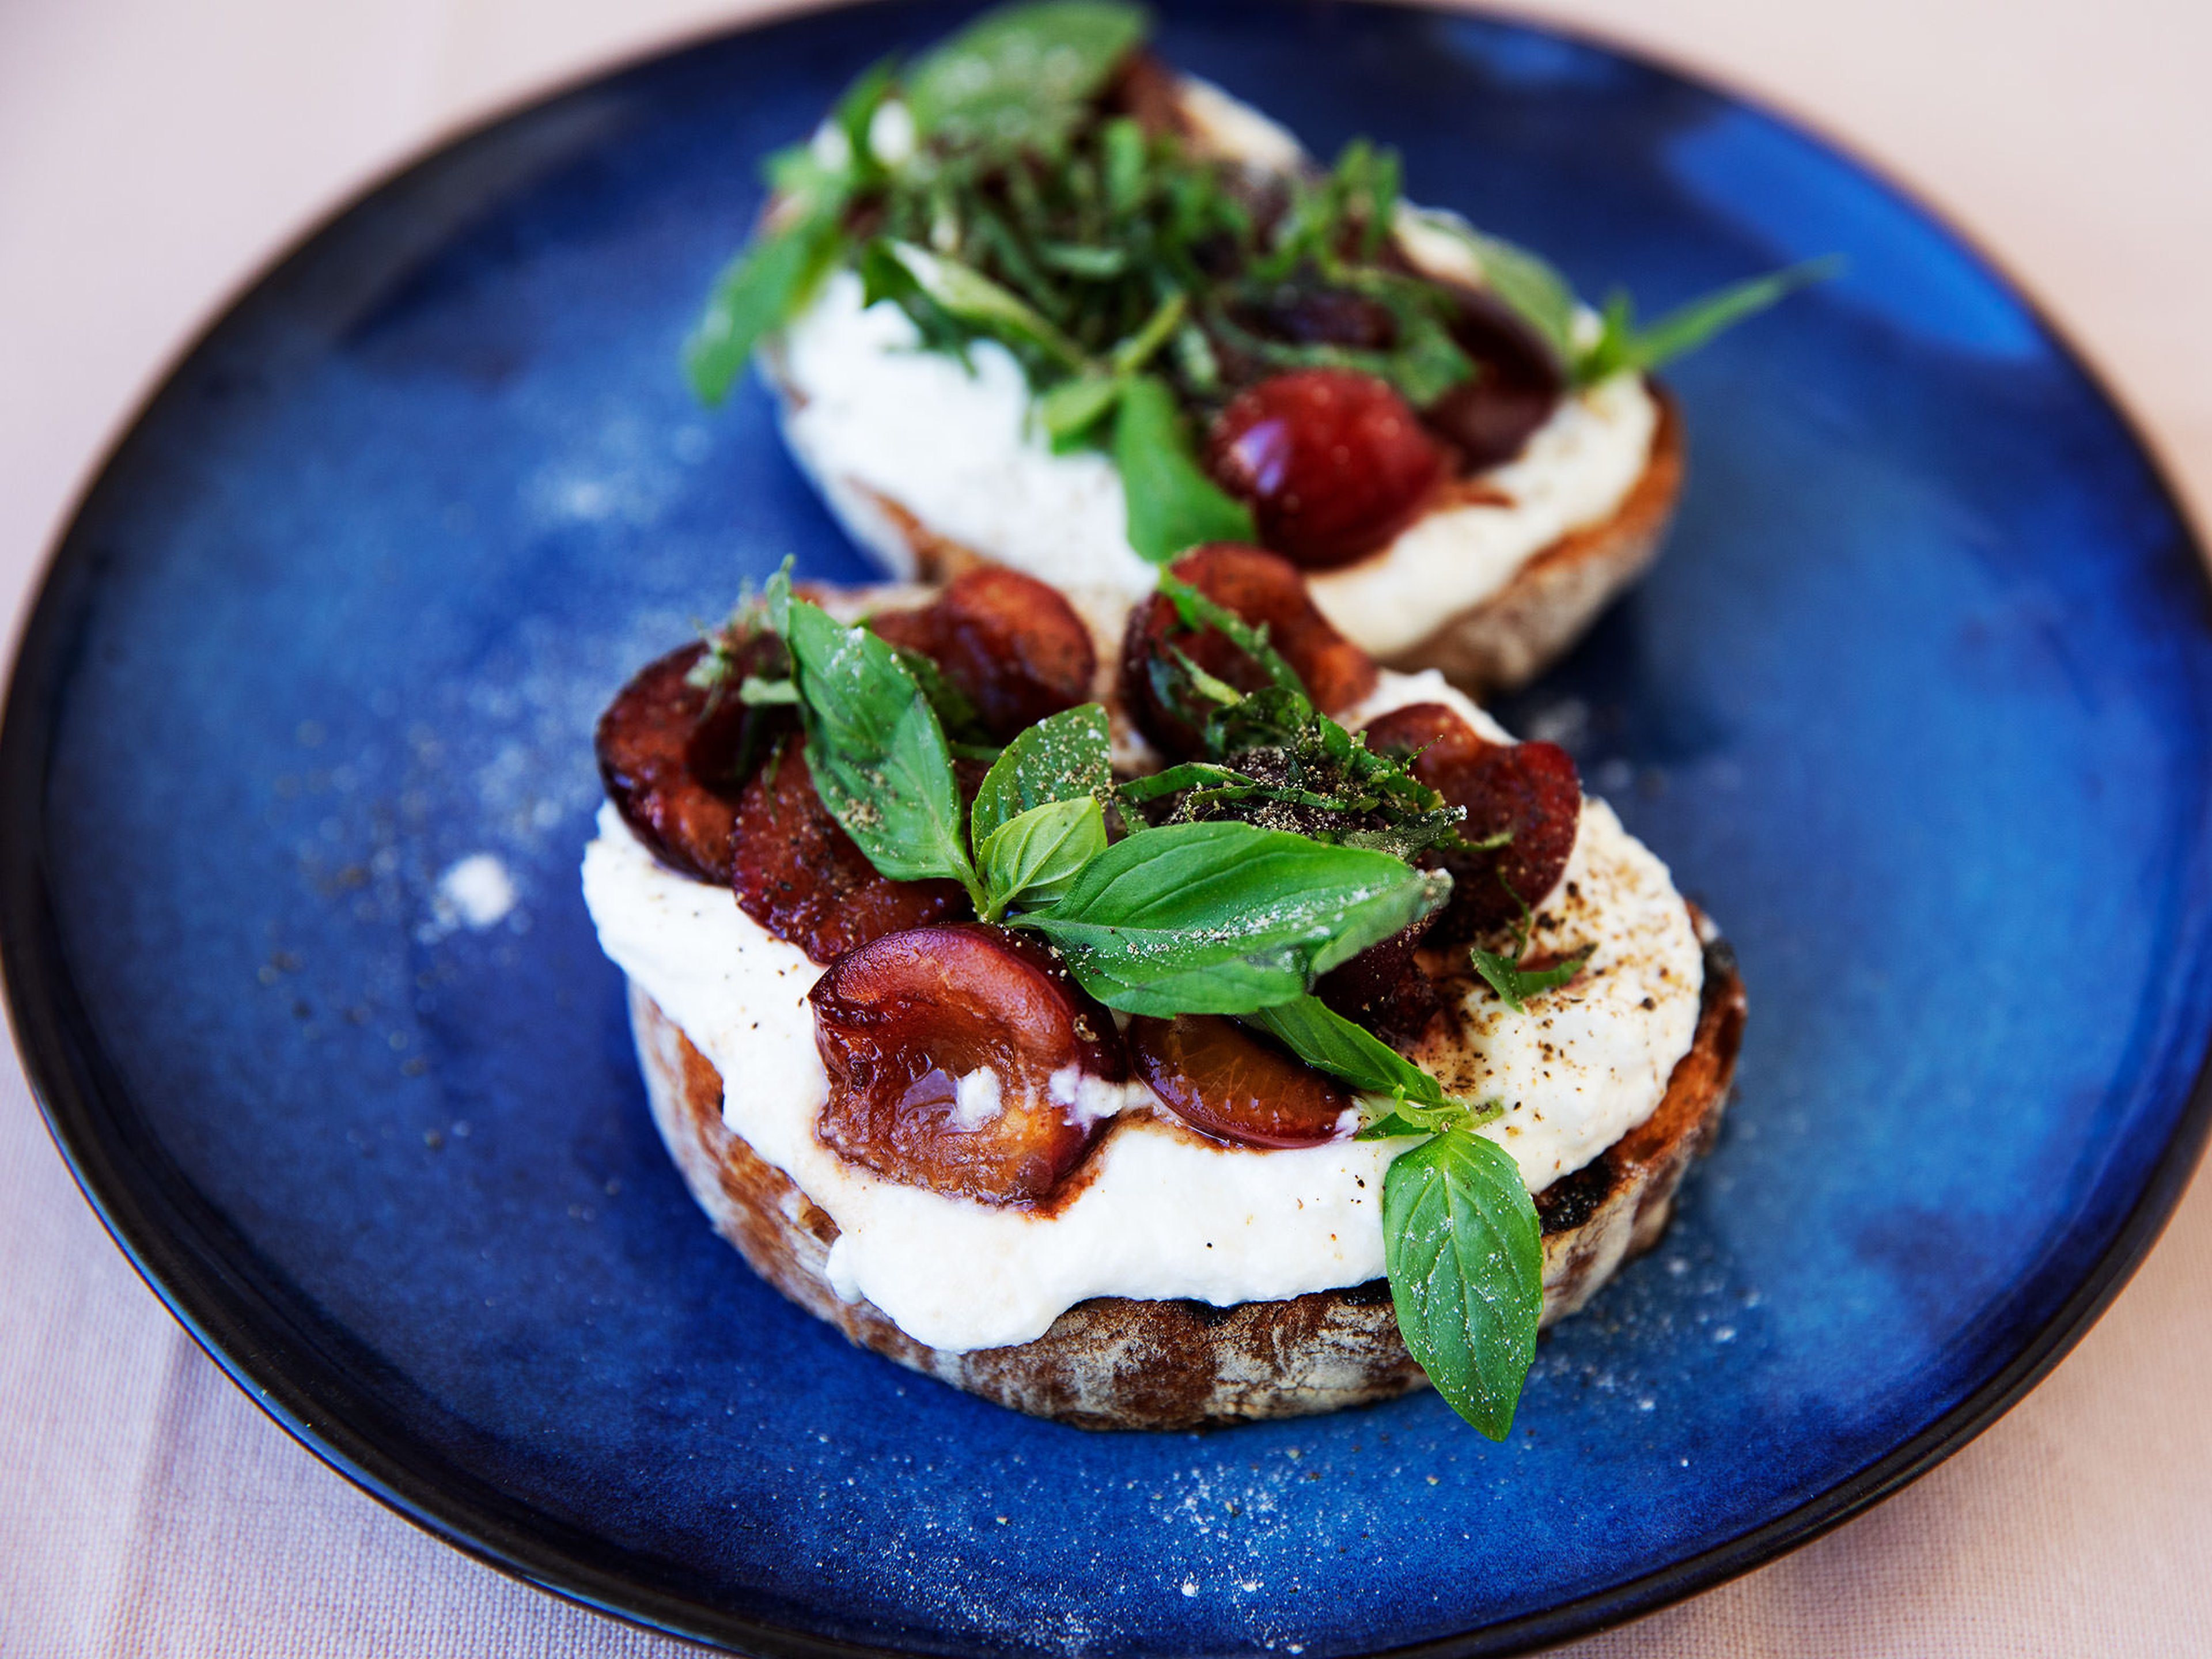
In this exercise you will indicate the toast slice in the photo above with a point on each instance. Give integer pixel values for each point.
(1115, 1363)
(1493, 641)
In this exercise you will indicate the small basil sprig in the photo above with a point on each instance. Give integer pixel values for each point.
(1465, 1253)
(1502, 972)
(1622, 347)
(1541, 297)
(876, 748)
(1325, 1039)
(1171, 504)
(1196, 918)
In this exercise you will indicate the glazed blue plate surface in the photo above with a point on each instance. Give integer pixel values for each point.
(1915, 706)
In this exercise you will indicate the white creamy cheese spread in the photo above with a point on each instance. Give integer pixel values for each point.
(1163, 1213)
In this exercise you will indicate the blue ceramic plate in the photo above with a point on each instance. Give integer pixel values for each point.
(1916, 706)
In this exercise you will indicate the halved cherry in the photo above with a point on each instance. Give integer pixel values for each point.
(799, 875)
(1384, 988)
(1488, 420)
(1260, 588)
(643, 741)
(1306, 313)
(1233, 1083)
(1012, 643)
(1333, 463)
(1528, 789)
(964, 1059)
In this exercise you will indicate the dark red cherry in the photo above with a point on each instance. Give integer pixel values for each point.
(1229, 1081)
(1012, 643)
(673, 756)
(1333, 464)
(964, 1059)
(1260, 588)
(1517, 383)
(642, 741)
(799, 875)
(1531, 789)
(1384, 988)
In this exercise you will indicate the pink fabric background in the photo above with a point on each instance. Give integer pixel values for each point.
(152, 152)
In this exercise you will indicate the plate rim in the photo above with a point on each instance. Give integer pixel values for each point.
(215, 1297)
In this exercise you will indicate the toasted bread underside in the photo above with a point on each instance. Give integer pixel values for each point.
(1114, 1362)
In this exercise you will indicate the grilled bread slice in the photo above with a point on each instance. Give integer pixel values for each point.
(1486, 642)
(1116, 1363)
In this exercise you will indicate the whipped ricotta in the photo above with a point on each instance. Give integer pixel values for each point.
(1164, 1213)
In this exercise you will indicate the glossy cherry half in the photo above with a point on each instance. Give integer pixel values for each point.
(1012, 643)
(643, 743)
(1333, 464)
(1226, 1080)
(1531, 789)
(1517, 383)
(964, 1059)
(800, 876)
(1385, 988)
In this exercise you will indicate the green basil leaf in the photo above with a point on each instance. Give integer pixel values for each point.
(1514, 984)
(1035, 855)
(1022, 75)
(1409, 1118)
(762, 289)
(1326, 1040)
(1127, 157)
(1623, 346)
(1466, 1259)
(1073, 407)
(1172, 505)
(974, 299)
(1064, 757)
(1225, 917)
(874, 746)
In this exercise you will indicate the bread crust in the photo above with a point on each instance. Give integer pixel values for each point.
(1117, 1362)
(1507, 639)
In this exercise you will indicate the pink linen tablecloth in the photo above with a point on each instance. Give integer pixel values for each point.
(153, 152)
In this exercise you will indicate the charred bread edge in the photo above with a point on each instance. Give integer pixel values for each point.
(1115, 1363)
